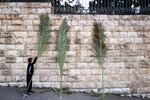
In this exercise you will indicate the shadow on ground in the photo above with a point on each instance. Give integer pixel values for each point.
(9, 93)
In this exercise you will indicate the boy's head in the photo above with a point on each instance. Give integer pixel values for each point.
(29, 60)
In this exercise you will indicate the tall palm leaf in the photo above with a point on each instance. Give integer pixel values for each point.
(62, 47)
(43, 37)
(100, 49)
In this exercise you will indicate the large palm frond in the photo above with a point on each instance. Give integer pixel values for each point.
(62, 47)
(43, 35)
(99, 45)
(62, 44)
(100, 49)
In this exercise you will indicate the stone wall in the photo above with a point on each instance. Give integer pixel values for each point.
(127, 67)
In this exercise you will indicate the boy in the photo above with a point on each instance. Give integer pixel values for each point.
(30, 71)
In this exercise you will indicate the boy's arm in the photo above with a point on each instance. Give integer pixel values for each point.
(35, 60)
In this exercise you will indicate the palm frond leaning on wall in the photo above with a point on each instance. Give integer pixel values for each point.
(99, 46)
(43, 35)
(62, 47)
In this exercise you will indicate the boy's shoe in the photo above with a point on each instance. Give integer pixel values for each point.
(31, 91)
(28, 93)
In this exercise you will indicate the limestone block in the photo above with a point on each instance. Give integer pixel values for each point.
(6, 72)
(24, 10)
(8, 78)
(117, 90)
(86, 71)
(20, 78)
(83, 78)
(12, 53)
(2, 79)
(3, 28)
(132, 34)
(40, 10)
(6, 10)
(17, 72)
(32, 34)
(17, 22)
(103, 17)
(6, 22)
(42, 72)
(16, 10)
(32, 10)
(10, 59)
(43, 78)
(55, 84)
(2, 17)
(146, 40)
(113, 41)
(19, 59)
(142, 90)
(22, 17)
(45, 84)
(37, 84)
(76, 28)
(119, 29)
(74, 71)
(33, 16)
(96, 71)
(3, 84)
(36, 22)
(146, 28)
(82, 22)
(2, 53)
(113, 17)
(87, 85)
(87, 29)
(35, 78)
(16, 28)
(75, 85)
(21, 84)
(2, 46)
(129, 40)
(90, 22)
(74, 22)
(29, 28)
(54, 78)
(138, 40)
(2, 60)
(71, 53)
(66, 84)
(1, 72)
(70, 60)
(12, 84)
(36, 28)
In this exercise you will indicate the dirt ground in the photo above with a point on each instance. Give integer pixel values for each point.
(12, 93)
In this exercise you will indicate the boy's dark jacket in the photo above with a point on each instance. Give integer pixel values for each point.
(30, 68)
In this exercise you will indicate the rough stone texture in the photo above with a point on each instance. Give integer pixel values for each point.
(127, 66)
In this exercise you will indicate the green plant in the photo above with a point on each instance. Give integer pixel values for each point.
(62, 47)
(65, 90)
(100, 49)
(43, 37)
(95, 94)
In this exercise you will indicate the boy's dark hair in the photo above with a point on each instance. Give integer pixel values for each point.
(29, 60)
